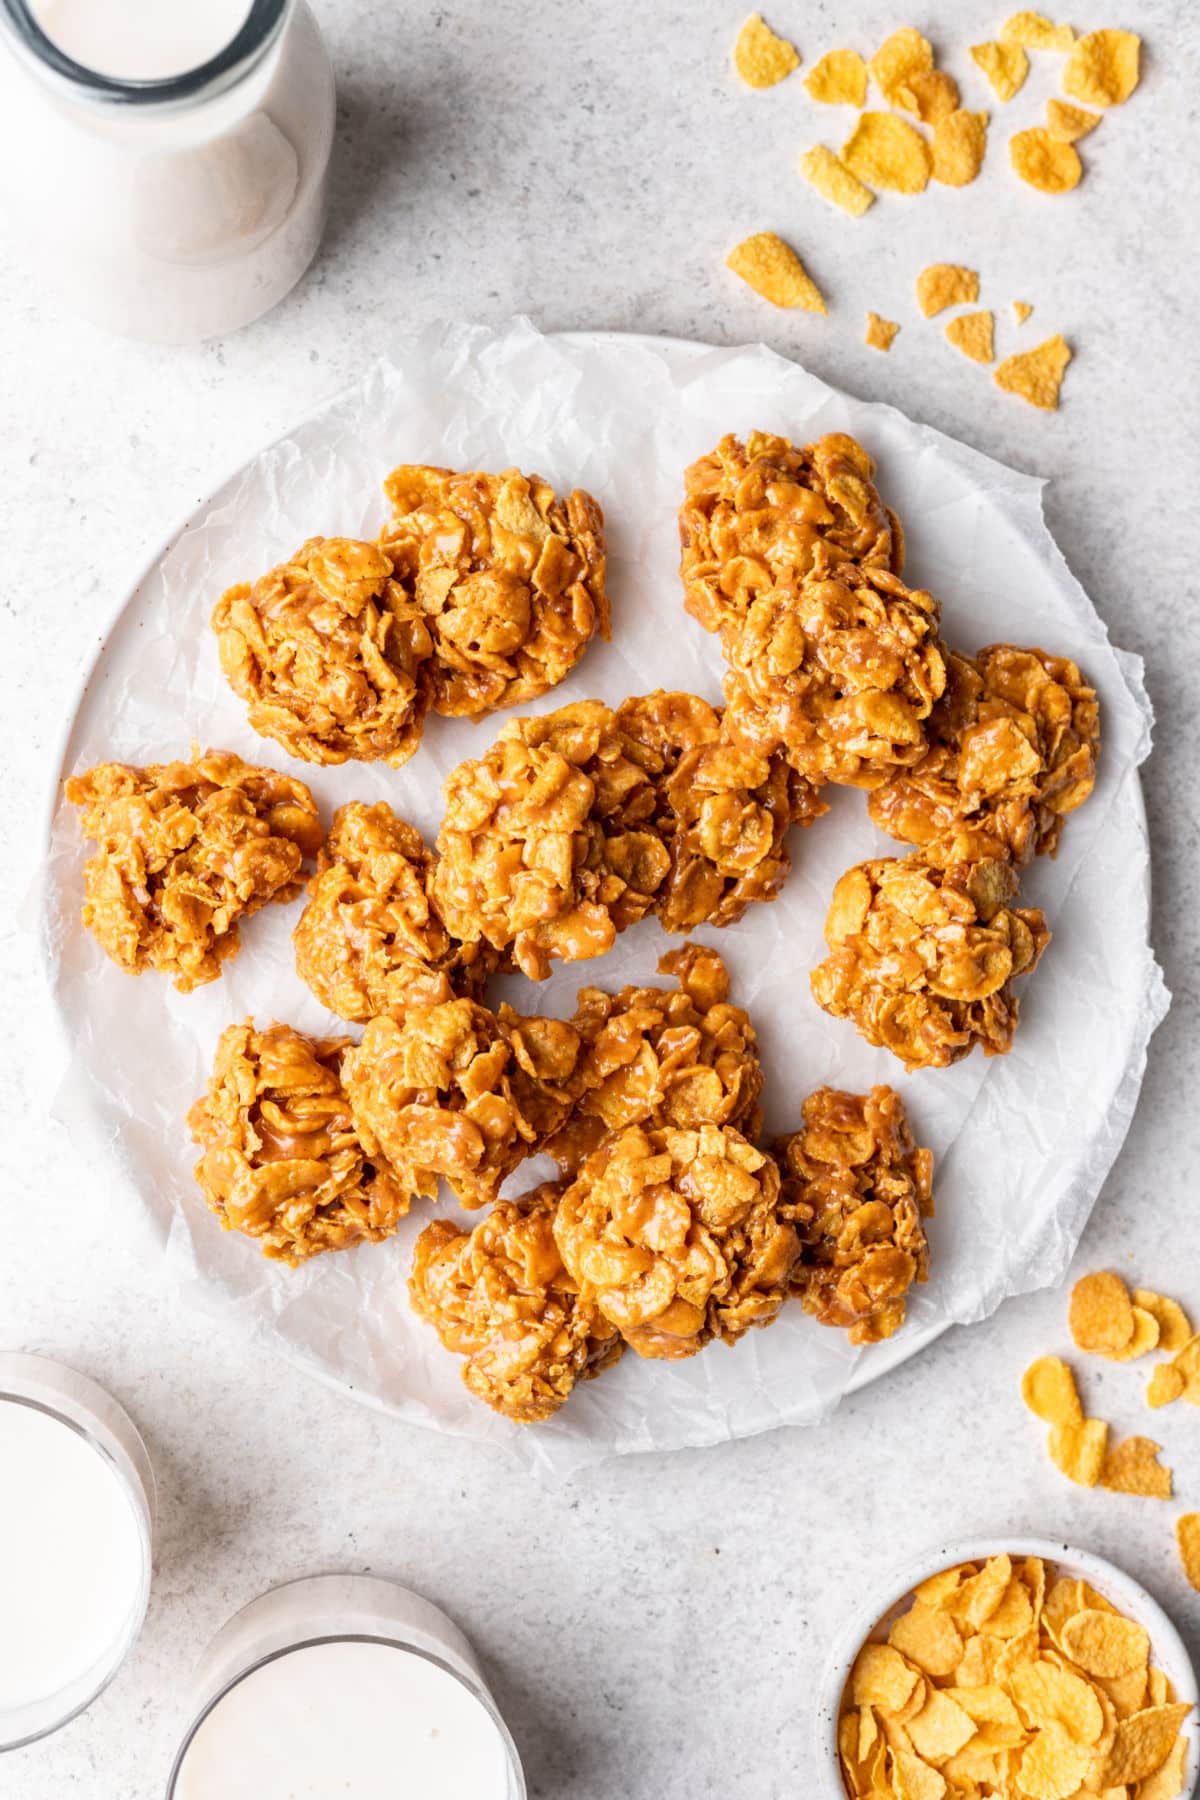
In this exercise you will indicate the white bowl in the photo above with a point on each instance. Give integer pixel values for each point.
(1166, 1646)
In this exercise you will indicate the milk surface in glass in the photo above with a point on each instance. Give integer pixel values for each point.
(140, 40)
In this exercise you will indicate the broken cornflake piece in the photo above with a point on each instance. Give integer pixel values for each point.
(1036, 32)
(1101, 1313)
(773, 269)
(838, 79)
(885, 151)
(972, 334)
(905, 54)
(959, 145)
(1078, 1450)
(1165, 1385)
(760, 57)
(1174, 1328)
(1068, 123)
(946, 284)
(1005, 65)
(834, 181)
(881, 333)
(1132, 1467)
(931, 94)
(1045, 162)
(1103, 68)
(1021, 310)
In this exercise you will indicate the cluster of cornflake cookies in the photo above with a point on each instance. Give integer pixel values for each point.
(671, 1224)
(1007, 1681)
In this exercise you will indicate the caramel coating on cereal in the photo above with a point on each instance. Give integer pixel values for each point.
(184, 851)
(764, 512)
(282, 1159)
(330, 654)
(1014, 742)
(443, 1092)
(653, 1056)
(679, 1237)
(369, 942)
(500, 1296)
(839, 672)
(923, 959)
(508, 579)
(859, 1190)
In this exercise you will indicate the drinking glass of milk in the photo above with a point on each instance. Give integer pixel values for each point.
(76, 1523)
(347, 1685)
(164, 163)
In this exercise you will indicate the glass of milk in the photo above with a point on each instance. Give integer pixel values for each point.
(347, 1685)
(76, 1528)
(164, 163)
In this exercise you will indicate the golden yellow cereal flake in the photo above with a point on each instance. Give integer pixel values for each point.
(1045, 162)
(928, 1637)
(1005, 65)
(834, 181)
(1167, 1781)
(1165, 1386)
(1187, 1533)
(959, 146)
(881, 333)
(1105, 1643)
(931, 94)
(885, 151)
(972, 334)
(773, 269)
(1068, 123)
(838, 79)
(1078, 1450)
(1101, 1313)
(1052, 1765)
(1132, 1467)
(1142, 1744)
(1036, 32)
(946, 284)
(760, 57)
(905, 54)
(1048, 1389)
(1021, 310)
(882, 1678)
(1144, 1339)
(940, 1728)
(1174, 1328)
(1103, 68)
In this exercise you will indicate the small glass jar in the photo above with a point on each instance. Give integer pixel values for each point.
(173, 209)
(76, 1543)
(339, 1684)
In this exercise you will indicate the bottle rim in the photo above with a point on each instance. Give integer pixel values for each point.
(254, 38)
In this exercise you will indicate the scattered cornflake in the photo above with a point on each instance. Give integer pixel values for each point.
(946, 284)
(1036, 375)
(1078, 1450)
(1048, 1389)
(1142, 1744)
(1132, 1467)
(1068, 123)
(959, 145)
(1186, 1363)
(761, 58)
(834, 181)
(1036, 32)
(1102, 69)
(1144, 1339)
(1174, 1328)
(1187, 1533)
(838, 79)
(1045, 162)
(885, 151)
(1021, 310)
(905, 54)
(1005, 65)
(773, 269)
(1101, 1312)
(1165, 1386)
(930, 93)
(972, 334)
(881, 333)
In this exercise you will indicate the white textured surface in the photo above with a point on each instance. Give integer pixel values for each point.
(657, 1627)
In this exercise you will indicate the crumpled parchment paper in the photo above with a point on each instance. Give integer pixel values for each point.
(1022, 1143)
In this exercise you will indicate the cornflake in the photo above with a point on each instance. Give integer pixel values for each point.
(972, 334)
(1078, 1450)
(1067, 122)
(1048, 1389)
(1036, 375)
(1143, 1743)
(1187, 1534)
(885, 151)
(1005, 65)
(1102, 69)
(1045, 162)
(838, 79)
(1144, 1339)
(1132, 1467)
(834, 181)
(773, 269)
(959, 146)
(1021, 310)
(1174, 1329)
(760, 57)
(1036, 32)
(946, 284)
(1166, 1385)
(1101, 1313)
(881, 333)
(905, 54)
(931, 94)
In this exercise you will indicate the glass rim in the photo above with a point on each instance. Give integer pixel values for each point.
(253, 39)
(473, 1687)
(137, 1613)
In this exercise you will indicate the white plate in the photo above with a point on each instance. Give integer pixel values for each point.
(1023, 1143)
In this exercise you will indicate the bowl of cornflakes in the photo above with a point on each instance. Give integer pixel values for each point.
(1014, 1667)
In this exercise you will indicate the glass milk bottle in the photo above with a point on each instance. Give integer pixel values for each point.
(164, 163)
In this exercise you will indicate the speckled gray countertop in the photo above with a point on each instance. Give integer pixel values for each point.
(657, 1627)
